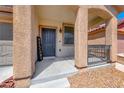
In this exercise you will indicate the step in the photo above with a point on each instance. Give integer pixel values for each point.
(119, 67)
(58, 83)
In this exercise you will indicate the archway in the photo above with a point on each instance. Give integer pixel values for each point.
(98, 51)
(82, 25)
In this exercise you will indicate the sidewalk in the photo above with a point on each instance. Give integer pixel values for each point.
(5, 72)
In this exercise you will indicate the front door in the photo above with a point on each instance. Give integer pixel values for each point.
(48, 42)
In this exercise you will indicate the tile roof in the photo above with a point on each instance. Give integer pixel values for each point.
(102, 26)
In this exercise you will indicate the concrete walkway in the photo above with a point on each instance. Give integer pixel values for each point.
(5, 72)
(52, 73)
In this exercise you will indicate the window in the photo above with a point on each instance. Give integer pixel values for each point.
(6, 31)
(68, 34)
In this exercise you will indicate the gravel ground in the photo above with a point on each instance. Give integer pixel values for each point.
(9, 83)
(105, 77)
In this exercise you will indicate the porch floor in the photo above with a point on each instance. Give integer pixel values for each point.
(102, 77)
(53, 72)
(5, 72)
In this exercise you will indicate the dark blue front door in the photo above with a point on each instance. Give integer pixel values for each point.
(48, 41)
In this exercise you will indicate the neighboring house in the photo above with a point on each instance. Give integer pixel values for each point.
(65, 31)
(121, 37)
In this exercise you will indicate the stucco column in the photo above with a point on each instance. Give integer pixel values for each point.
(81, 37)
(111, 37)
(22, 45)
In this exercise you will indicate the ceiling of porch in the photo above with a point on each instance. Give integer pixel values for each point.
(64, 13)
(67, 14)
(59, 13)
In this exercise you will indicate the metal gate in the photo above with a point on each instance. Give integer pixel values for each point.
(98, 54)
(5, 52)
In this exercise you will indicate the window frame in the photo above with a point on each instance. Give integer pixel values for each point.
(63, 33)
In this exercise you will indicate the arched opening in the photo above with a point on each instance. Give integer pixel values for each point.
(98, 48)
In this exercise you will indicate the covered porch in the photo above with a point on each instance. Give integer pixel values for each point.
(27, 32)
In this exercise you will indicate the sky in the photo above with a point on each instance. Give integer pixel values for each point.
(120, 16)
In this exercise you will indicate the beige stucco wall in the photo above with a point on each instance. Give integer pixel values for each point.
(97, 38)
(22, 36)
(55, 16)
(34, 38)
(66, 50)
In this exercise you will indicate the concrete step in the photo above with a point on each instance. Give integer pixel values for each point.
(58, 83)
(119, 67)
(52, 73)
(50, 78)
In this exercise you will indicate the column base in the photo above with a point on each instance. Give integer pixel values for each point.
(22, 83)
(112, 62)
(80, 67)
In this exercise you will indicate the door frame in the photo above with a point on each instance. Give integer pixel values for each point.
(40, 35)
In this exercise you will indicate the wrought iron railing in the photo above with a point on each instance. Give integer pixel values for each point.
(98, 53)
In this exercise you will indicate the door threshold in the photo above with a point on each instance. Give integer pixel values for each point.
(52, 57)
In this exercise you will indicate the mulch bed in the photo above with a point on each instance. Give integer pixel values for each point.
(9, 83)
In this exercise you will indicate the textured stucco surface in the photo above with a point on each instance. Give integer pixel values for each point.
(81, 37)
(96, 39)
(34, 35)
(111, 37)
(22, 45)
